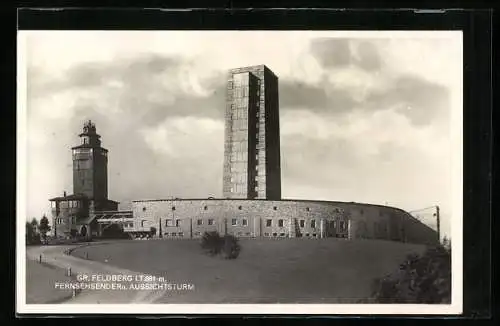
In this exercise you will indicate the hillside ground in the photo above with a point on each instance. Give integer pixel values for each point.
(267, 270)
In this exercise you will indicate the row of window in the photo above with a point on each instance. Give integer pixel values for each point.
(243, 222)
(174, 234)
(238, 157)
(244, 92)
(67, 204)
(61, 220)
(240, 124)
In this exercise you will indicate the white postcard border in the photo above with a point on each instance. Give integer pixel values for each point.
(294, 309)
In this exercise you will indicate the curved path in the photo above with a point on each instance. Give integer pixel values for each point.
(54, 255)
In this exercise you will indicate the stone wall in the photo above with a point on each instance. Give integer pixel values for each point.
(65, 218)
(186, 218)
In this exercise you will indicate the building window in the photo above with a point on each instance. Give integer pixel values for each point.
(169, 222)
(244, 222)
(313, 223)
(280, 223)
(199, 222)
(234, 222)
(210, 221)
(239, 207)
(177, 222)
(307, 234)
(275, 208)
(302, 223)
(144, 209)
(205, 208)
(266, 234)
(307, 209)
(142, 223)
(269, 222)
(173, 208)
(275, 234)
(314, 235)
(174, 234)
(181, 234)
(165, 234)
(282, 234)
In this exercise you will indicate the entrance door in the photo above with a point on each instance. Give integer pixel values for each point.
(83, 231)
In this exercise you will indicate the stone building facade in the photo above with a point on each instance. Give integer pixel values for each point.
(74, 214)
(252, 135)
(190, 218)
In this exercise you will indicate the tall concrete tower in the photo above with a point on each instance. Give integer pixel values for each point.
(90, 165)
(252, 135)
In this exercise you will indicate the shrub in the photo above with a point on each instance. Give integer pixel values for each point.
(420, 279)
(212, 243)
(231, 247)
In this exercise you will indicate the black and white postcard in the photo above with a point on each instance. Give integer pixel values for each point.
(250, 172)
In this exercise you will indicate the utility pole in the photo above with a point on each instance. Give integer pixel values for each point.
(438, 224)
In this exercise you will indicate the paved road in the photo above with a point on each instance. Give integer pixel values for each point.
(54, 255)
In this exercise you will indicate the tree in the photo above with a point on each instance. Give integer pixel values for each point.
(32, 235)
(29, 233)
(44, 227)
(34, 223)
(421, 279)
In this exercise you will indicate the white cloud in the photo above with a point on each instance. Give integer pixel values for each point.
(185, 137)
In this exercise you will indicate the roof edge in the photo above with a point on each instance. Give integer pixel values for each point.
(271, 200)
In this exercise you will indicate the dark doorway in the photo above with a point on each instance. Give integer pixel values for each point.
(113, 231)
(83, 231)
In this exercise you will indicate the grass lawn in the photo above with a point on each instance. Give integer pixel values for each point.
(267, 270)
(40, 279)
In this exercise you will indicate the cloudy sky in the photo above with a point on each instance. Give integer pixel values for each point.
(364, 117)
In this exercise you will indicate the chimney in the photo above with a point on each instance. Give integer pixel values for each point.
(64, 194)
